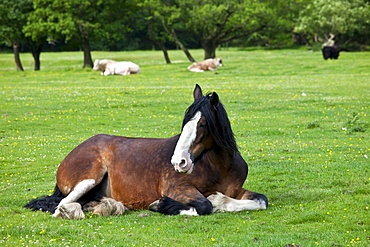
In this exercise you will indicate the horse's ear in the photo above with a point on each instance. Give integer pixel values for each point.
(197, 92)
(214, 99)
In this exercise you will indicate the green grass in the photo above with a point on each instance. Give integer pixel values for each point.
(302, 125)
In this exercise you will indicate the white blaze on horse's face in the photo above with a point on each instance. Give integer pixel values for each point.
(181, 158)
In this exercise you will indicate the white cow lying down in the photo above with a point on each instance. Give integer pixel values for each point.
(208, 64)
(110, 67)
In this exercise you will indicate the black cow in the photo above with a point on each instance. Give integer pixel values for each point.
(331, 52)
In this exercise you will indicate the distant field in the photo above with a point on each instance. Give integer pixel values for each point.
(301, 123)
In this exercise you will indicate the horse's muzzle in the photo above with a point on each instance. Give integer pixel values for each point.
(183, 163)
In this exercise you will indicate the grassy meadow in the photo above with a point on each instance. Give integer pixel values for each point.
(301, 123)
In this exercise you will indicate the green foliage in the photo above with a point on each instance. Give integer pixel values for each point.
(61, 19)
(317, 179)
(282, 18)
(75, 19)
(13, 16)
(339, 17)
(118, 21)
(214, 22)
(140, 24)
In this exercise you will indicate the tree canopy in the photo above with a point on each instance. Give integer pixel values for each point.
(342, 18)
(64, 19)
(211, 22)
(78, 19)
(184, 24)
(13, 16)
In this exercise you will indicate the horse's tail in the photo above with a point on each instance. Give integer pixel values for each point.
(46, 203)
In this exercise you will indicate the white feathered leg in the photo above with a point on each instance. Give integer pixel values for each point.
(108, 207)
(222, 203)
(68, 208)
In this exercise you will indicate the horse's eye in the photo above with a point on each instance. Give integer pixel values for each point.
(202, 125)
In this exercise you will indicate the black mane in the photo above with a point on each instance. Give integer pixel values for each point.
(219, 126)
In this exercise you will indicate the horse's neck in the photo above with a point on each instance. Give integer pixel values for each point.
(220, 158)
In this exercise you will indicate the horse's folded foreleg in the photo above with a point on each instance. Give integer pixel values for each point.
(250, 195)
(183, 204)
(222, 203)
(169, 206)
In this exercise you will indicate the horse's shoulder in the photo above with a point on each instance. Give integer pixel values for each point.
(238, 157)
(239, 163)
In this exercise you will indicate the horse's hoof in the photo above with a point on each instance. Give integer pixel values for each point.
(71, 211)
(108, 207)
(154, 206)
(262, 200)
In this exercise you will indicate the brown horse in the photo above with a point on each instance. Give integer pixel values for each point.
(197, 172)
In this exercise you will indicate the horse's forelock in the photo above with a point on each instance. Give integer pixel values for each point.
(217, 120)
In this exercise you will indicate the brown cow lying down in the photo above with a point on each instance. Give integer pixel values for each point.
(110, 67)
(208, 64)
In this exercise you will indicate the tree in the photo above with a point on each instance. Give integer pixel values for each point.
(79, 19)
(163, 23)
(119, 21)
(343, 18)
(65, 19)
(157, 37)
(213, 22)
(13, 16)
(217, 22)
(279, 32)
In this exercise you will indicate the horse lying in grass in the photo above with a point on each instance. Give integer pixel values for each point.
(110, 67)
(208, 64)
(197, 172)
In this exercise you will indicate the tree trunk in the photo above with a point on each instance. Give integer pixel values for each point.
(85, 46)
(181, 45)
(183, 48)
(209, 50)
(178, 42)
(17, 59)
(36, 51)
(153, 36)
(87, 53)
(165, 53)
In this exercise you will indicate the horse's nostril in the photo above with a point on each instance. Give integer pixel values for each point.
(182, 163)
